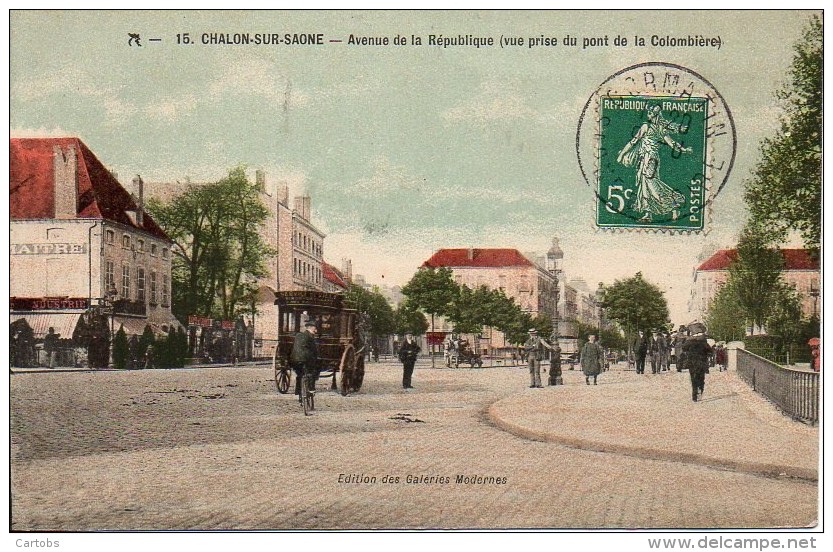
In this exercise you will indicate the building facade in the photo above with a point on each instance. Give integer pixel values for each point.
(530, 285)
(79, 243)
(800, 270)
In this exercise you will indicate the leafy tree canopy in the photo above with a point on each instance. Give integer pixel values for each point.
(784, 192)
(635, 304)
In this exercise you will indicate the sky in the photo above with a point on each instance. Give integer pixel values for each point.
(404, 149)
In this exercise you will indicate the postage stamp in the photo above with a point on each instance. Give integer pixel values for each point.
(661, 138)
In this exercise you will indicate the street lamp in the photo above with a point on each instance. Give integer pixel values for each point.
(814, 293)
(554, 257)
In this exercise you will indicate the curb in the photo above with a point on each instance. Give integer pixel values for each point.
(753, 468)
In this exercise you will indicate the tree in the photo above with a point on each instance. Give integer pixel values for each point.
(635, 304)
(723, 318)
(218, 251)
(784, 192)
(407, 319)
(375, 308)
(755, 277)
(120, 349)
(432, 290)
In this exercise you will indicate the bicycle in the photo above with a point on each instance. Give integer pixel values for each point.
(307, 397)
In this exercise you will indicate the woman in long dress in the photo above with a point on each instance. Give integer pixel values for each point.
(653, 196)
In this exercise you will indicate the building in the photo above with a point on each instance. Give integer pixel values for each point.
(79, 242)
(334, 280)
(800, 270)
(299, 263)
(532, 287)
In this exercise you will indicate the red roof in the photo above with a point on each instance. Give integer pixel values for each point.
(32, 184)
(794, 259)
(332, 275)
(483, 258)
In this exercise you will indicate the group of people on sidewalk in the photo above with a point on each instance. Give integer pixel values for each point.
(591, 359)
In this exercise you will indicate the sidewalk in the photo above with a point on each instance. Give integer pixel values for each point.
(653, 416)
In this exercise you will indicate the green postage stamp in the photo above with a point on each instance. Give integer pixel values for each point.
(652, 158)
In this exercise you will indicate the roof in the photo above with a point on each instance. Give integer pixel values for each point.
(332, 275)
(482, 258)
(32, 188)
(794, 259)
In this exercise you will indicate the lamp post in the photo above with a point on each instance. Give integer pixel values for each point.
(554, 257)
(814, 293)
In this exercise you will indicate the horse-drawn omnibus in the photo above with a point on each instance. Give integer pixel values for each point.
(341, 338)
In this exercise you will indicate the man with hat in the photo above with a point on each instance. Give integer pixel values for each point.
(534, 348)
(304, 356)
(408, 356)
(696, 351)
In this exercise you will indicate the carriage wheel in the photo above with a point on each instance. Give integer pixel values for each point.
(358, 374)
(347, 369)
(282, 374)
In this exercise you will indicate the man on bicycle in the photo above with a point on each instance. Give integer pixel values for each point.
(304, 357)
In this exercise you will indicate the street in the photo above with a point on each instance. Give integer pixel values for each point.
(218, 448)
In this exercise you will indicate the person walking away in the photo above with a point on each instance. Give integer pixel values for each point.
(407, 355)
(664, 352)
(50, 345)
(653, 351)
(150, 357)
(534, 348)
(641, 352)
(591, 359)
(555, 365)
(696, 351)
(720, 356)
(679, 339)
(304, 356)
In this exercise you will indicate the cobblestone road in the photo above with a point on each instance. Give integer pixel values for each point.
(220, 449)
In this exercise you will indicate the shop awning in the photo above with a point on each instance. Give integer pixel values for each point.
(132, 326)
(64, 323)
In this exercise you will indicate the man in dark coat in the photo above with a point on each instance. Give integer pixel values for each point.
(641, 352)
(696, 351)
(592, 359)
(407, 355)
(304, 356)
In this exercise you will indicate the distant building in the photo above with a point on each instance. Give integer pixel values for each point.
(334, 280)
(800, 270)
(531, 286)
(79, 241)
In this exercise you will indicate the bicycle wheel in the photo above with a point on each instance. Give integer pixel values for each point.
(283, 378)
(307, 396)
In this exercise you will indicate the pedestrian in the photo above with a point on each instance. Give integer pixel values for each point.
(815, 352)
(304, 356)
(133, 353)
(696, 351)
(50, 345)
(150, 357)
(555, 365)
(653, 351)
(534, 348)
(664, 351)
(679, 339)
(592, 359)
(407, 355)
(641, 352)
(720, 356)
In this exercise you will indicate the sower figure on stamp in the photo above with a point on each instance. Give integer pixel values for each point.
(534, 348)
(592, 359)
(697, 351)
(407, 355)
(304, 356)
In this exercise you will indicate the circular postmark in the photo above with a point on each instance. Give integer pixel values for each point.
(656, 143)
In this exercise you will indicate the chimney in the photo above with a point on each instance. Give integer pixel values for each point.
(300, 207)
(139, 184)
(347, 268)
(260, 180)
(283, 194)
(65, 165)
(307, 206)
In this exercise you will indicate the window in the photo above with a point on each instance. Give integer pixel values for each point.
(165, 299)
(140, 284)
(125, 281)
(141, 246)
(153, 249)
(110, 237)
(153, 287)
(109, 276)
(125, 241)
(164, 252)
